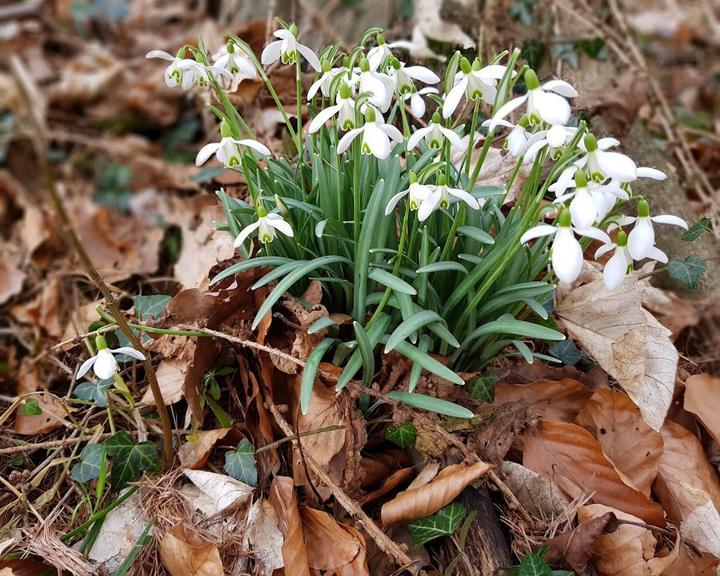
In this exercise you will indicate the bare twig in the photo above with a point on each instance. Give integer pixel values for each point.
(40, 144)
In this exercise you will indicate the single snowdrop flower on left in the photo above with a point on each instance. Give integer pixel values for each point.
(231, 59)
(566, 254)
(417, 103)
(641, 240)
(546, 103)
(605, 164)
(287, 48)
(445, 195)
(619, 263)
(376, 137)
(404, 76)
(421, 197)
(228, 150)
(267, 226)
(185, 72)
(324, 83)
(104, 363)
(344, 108)
(588, 204)
(378, 85)
(473, 82)
(435, 135)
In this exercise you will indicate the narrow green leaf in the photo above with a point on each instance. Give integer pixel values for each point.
(284, 284)
(248, 265)
(366, 351)
(387, 279)
(445, 522)
(430, 404)
(515, 328)
(524, 350)
(374, 334)
(307, 381)
(403, 436)
(443, 266)
(412, 324)
(240, 463)
(321, 324)
(428, 362)
(476, 234)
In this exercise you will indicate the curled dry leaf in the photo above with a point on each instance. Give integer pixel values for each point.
(393, 481)
(284, 501)
(702, 398)
(194, 453)
(43, 312)
(224, 491)
(628, 551)
(183, 553)
(553, 399)
(627, 341)
(52, 416)
(11, 275)
(537, 493)
(570, 455)
(630, 444)
(171, 376)
(688, 487)
(573, 549)
(424, 501)
(329, 544)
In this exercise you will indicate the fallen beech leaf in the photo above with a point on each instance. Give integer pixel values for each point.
(702, 525)
(420, 502)
(555, 400)
(627, 551)
(195, 452)
(121, 529)
(630, 444)
(284, 501)
(53, 410)
(324, 412)
(170, 376)
(702, 398)
(689, 562)
(570, 455)
(24, 567)
(223, 490)
(393, 481)
(683, 469)
(185, 554)
(537, 493)
(44, 311)
(673, 311)
(329, 546)
(11, 276)
(263, 538)
(574, 548)
(425, 476)
(627, 341)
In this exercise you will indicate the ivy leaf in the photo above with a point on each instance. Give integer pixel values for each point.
(532, 51)
(441, 524)
(522, 10)
(697, 229)
(90, 463)
(593, 47)
(240, 463)
(149, 307)
(130, 460)
(566, 51)
(403, 436)
(31, 407)
(483, 388)
(95, 392)
(567, 352)
(687, 271)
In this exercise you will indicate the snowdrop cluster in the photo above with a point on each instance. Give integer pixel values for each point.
(354, 93)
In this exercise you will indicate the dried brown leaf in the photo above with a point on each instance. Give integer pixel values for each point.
(263, 537)
(183, 553)
(171, 376)
(627, 341)
(537, 493)
(570, 455)
(11, 275)
(424, 501)
(630, 444)
(702, 398)
(556, 400)
(329, 546)
(194, 453)
(284, 501)
(573, 549)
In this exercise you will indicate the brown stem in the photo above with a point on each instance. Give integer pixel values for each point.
(40, 144)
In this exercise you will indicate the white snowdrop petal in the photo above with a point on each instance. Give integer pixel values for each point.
(556, 135)
(506, 109)
(492, 72)
(377, 141)
(129, 351)
(656, 254)
(322, 117)
(604, 249)
(647, 172)
(85, 367)
(452, 137)
(276, 221)
(595, 234)
(538, 232)
(582, 209)
(617, 166)
(452, 99)
(427, 207)
(423, 74)
(271, 52)
(418, 135)
(255, 145)
(615, 270)
(205, 153)
(567, 257)
(346, 140)
(417, 106)
(160, 54)
(310, 56)
(670, 219)
(560, 87)
(105, 365)
(552, 108)
(641, 239)
(391, 131)
(245, 233)
(394, 201)
(466, 197)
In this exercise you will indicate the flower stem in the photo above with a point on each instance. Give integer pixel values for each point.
(471, 141)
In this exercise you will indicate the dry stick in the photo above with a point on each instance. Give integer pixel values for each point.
(383, 542)
(40, 145)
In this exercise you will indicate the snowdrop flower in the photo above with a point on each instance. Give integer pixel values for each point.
(379, 86)
(344, 108)
(641, 240)
(434, 135)
(267, 226)
(566, 254)
(445, 195)
(375, 137)
(518, 139)
(475, 83)
(417, 104)
(378, 53)
(546, 103)
(103, 363)
(286, 49)
(621, 168)
(420, 197)
(554, 138)
(617, 266)
(228, 149)
(590, 203)
(324, 83)
(236, 63)
(185, 72)
(404, 76)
